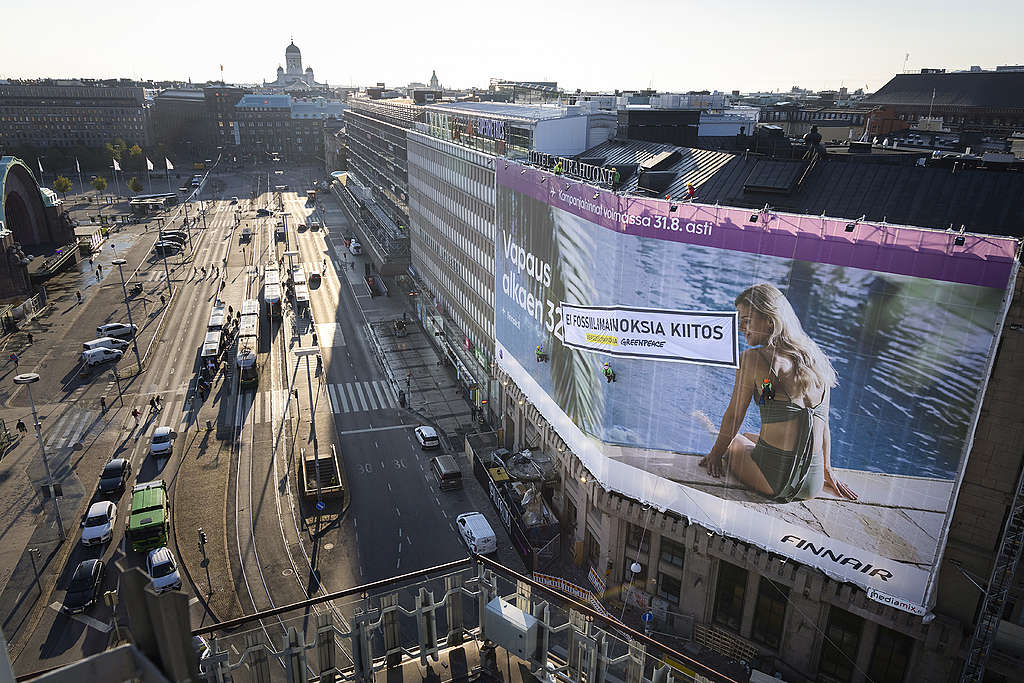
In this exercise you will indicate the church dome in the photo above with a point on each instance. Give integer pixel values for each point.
(291, 49)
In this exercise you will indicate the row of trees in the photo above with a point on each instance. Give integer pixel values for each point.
(62, 184)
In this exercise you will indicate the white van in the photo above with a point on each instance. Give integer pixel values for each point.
(477, 533)
(105, 343)
(355, 247)
(95, 357)
(314, 223)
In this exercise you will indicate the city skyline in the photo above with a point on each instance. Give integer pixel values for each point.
(708, 48)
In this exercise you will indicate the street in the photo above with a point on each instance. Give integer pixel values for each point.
(234, 469)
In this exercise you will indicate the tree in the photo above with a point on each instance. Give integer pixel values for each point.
(62, 185)
(134, 185)
(99, 183)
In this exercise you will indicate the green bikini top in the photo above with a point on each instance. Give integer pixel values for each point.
(777, 410)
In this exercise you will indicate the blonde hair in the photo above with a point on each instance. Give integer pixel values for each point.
(811, 367)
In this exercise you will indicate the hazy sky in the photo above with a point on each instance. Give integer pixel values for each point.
(627, 44)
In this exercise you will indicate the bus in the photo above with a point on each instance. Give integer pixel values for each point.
(248, 344)
(301, 288)
(218, 316)
(149, 519)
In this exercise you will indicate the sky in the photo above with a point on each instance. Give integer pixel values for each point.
(597, 45)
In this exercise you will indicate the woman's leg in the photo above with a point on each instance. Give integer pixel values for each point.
(744, 467)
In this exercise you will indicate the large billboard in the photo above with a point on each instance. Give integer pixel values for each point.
(805, 384)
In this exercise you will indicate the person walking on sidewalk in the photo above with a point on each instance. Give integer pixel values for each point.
(79, 295)
(21, 426)
(103, 404)
(135, 414)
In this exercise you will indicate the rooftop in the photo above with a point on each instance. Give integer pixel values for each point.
(989, 89)
(521, 112)
(255, 100)
(984, 196)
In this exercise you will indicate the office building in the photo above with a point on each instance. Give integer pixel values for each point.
(180, 121)
(49, 113)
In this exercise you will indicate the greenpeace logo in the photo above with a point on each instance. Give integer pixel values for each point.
(602, 339)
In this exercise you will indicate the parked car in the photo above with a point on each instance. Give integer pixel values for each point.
(115, 476)
(119, 330)
(96, 357)
(162, 570)
(476, 533)
(166, 247)
(98, 525)
(84, 587)
(175, 237)
(161, 443)
(105, 343)
(427, 436)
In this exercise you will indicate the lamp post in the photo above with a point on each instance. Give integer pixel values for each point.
(28, 379)
(119, 262)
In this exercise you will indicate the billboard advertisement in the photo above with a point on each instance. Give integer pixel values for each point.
(805, 384)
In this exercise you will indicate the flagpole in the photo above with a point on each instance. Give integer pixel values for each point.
(78, 167)
(149, 178)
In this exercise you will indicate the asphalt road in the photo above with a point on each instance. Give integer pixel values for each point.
(396, 521)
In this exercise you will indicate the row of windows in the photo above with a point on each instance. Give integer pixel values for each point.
(444, 284)
(892, 650)
(475, 236)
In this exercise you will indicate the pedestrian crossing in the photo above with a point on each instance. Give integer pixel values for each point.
(69, 429)
(348, 397)
(156, 276)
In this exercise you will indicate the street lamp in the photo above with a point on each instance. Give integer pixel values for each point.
(28, 379)
(119, 262)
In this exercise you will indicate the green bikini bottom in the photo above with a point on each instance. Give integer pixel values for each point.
(792, 476)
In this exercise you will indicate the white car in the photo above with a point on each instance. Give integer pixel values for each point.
(95, 357)
(163, 570)
(427, 436)
(98, 525)
(161, 443)
(476, 533)
(119, 330)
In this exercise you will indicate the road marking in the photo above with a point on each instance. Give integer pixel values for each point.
(85, 619)
(383, 396)
(376, 429)
(359, 390)
(334, 400)
(352, 395)
(193, 600)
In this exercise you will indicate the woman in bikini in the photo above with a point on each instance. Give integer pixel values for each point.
(789, 459)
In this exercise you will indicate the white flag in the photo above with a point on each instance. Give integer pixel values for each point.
(77, 167)
(40, 165)
(149, 164)
(170, 166)
(117, 166)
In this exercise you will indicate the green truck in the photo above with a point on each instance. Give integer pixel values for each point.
(149, 520)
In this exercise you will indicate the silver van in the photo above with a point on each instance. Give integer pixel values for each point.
(105, 343)
(447, 472)
(94, 357)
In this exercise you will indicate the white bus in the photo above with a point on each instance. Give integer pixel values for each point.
(248, 344)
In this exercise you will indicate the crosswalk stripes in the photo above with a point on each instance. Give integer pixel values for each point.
(157, 276)
(350, 397)
(70, 428)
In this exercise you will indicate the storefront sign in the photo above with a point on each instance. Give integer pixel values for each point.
(578, 169)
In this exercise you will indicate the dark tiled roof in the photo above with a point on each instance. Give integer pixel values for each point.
(881, 187)
(990, 89)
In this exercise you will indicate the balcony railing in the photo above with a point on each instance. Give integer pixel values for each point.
(462, 614)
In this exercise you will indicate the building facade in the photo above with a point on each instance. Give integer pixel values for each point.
(705, 583)
(221, 116)
(65, 114)
(180, 121)
(293, 128)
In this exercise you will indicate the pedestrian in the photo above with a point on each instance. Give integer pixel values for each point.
(29, 337)
(159, 401)
(135, 414)
(90, 263)
(162, 300)
(79, 295)
(21, 426)
(325, 265)
(351, 265)
(204, 272)
(103, 404)
(152, 404)
(99, 269)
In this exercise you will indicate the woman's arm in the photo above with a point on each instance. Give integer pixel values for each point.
(742, 392)
(839, 487)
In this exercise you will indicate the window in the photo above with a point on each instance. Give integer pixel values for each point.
(638, 538)
(732, 584)
(839, 651)
(672, 552)
(770, 613)
(669, 587)
(891, 656)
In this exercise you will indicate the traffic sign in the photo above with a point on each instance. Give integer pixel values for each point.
(320, 505)
(647, 617)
